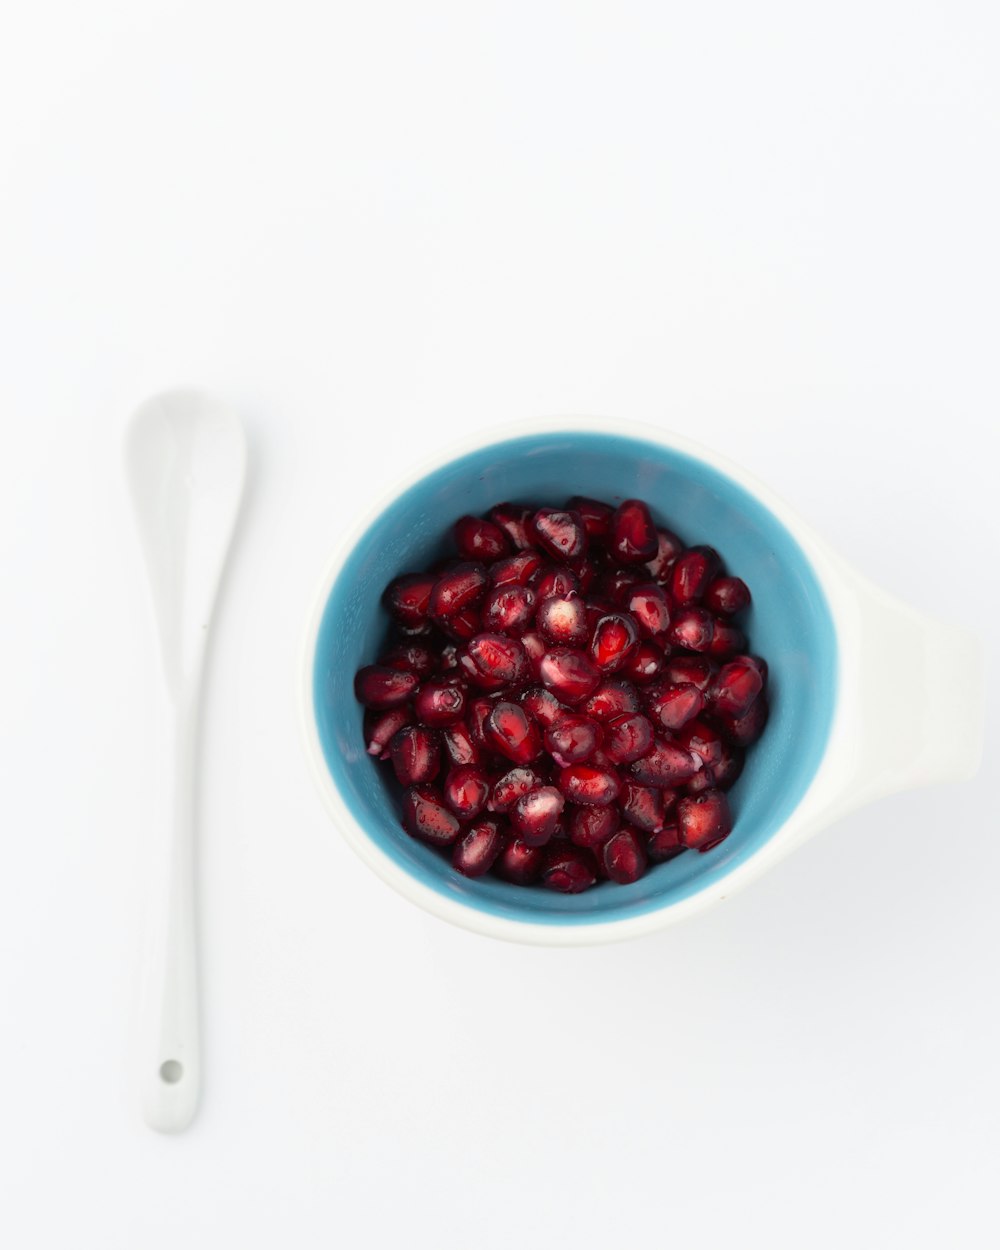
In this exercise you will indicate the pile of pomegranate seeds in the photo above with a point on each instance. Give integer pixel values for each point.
(569, 698)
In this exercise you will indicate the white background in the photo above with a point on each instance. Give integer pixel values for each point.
(769, 226)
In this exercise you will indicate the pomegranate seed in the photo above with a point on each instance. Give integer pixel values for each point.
(643, 806)
(439, 703)
(596, 516)
(612, 698)
(623, 857)
(416, 755)
(644, 663)
(703, 820)
(664, 844)
(672, 706)
(681, 669)
(456, 589)
(535, 647)
(516, 570)
(569, 674)
(703, 742)
(746, 729)
(572, 739)
(585, 571)
(509, 731)
(551, 580)
(463, 625)
(476, 852)
(509, 788)
(616, 583)
(493, 660)
(737, 685)
(647, 605)
(520, 863)
(633, 535)
(692, 628)
(727, 639)
(535, 815)
(381, 727)
(479, 710)
(542, 705)
(596, 607)
(664, 766)
(480, 540)
(590, 826)
(409, 657)
(562, 620)
(458, 745)
(425, 816)
(692, 573)
(466, 790)
(408, 598)
(668, 548)
(513, 520)
(508, 610)
(627, 738)
(615, 638)
(448, 661)
(378, 687)
(588, 786)
(569, 869)
(559, 533)
(726, 772)
(727, 596)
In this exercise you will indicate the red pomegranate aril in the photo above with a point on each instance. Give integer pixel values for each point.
(560, 533)
(645, 663)
(590, 826)
(520, 863)
(553, 580)
(509, 788)
(535, 647)
(596, 607)
(671, 706)
(737, 685)
(382, 727)
(727, 771)
(562, 620)
(616, 583)
(664, 844)
(614, 639)
(448, 659)
(623, 857)
(746, 729)
(727, 640)
(666, 765)
(416, 755)
(571, 739)
(568, 869)
(703, 742)
(477, 539)
(633, 535)
(463, 625)
(456, 589)
(643, 806)
(425, 816)
(378, 687)
(411, 657)
(408, 598)
(495, 660)
(542, 705)
(727, 596)
(692, 628)
(439, 703)
(479, 710)
(476, 851)
(596, 516)
(458, 745)
(516, 570)
(647, 605)
(668, 548)
(508, 610)
(513, 520)
(588, 786)
(535, 815)
(693, 572)
(691, 669)
(613, 697)
(585, 571)
(627, 738)
(466, 791)
(569, 674)
(510, 732)
(703, 820)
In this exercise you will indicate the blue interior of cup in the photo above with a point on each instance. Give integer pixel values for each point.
(789, 624)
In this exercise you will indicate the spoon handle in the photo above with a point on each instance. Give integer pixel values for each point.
(171, 1075)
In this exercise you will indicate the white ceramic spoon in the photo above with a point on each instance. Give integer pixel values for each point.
(185, 458)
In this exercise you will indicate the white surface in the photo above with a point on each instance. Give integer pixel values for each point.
(771, 227)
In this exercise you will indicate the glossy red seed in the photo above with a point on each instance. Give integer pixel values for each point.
(425, 816)
(456, 589)
(664, 844)
(513, 520)
(408, 598)
(727, 596)
(476, 851)
(737, 685)
(746, 729)
(692, 669)
(494, 660)
(569, 674)
(412, 657)
(643, 806)
(727, 771)
(613, 697)
(378, 687)
(665, 765)
(509, 788)
(645, 663)
(568, 869)
(510, 731)
(627, 738)
(633, 535)
(598, 606)
(693, 572)
(672, 706)
(703, 820)
(542, 705)
(623, 857)
(559, 533)
(703, 741)
(515, 570)
(479, 710)
(614, 639)
(585, 571)
(535, 815)
(596, 516)
(448, 659)
(439, 703)
(416, 755)
(519, 863)
(727, 639)
(463, 625)
(647, 604)
(535, 647)
(477, 539)
(588, 786)
(562, 620)
(571, 739)
(466, 790)
(381, 728)
(615, 583)
(552, 579)
(458, 746)
(692, 628)
(508, 610)
(590, 826)
(668, 548)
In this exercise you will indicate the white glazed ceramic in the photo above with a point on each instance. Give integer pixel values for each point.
(899, 676)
